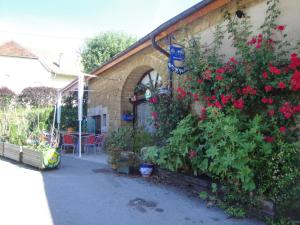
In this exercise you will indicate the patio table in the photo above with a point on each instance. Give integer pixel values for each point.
(84, 137)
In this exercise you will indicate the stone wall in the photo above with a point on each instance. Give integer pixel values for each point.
(113, 88)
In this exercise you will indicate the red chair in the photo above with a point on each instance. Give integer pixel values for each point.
(100, 140)
(68, 141)
(90, 143)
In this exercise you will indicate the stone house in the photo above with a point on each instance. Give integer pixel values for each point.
(146, 60)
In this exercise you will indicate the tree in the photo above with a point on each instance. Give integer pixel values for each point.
(38, 96)
(103, 47)
(6, 96)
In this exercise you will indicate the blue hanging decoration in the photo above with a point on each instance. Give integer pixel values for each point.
(176, 59)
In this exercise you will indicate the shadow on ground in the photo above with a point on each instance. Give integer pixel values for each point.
(82, 192)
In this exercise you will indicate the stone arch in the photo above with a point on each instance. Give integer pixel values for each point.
(128, 88)
(132, 80)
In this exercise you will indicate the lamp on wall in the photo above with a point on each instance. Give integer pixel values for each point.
(240, 14)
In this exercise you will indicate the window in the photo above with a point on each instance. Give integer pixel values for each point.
(150, 80)
(104, 120)
(97, 124)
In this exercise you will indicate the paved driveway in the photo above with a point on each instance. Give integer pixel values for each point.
(85, 193)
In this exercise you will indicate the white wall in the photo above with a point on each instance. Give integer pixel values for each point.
(19, 73)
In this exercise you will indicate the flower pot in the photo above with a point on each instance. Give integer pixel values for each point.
(127, 117)
(114, 166)
(146, 169)
(70, 129)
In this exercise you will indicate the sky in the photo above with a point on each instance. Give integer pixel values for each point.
(50, 27)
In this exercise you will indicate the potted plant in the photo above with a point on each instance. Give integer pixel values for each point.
(119, 148)
(148, 157)
(146, 169)
(128, 116)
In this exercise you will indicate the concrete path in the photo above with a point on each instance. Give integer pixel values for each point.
(82, 192)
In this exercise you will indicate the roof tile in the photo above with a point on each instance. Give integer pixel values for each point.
(13, 49)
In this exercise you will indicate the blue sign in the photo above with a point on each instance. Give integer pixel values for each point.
(176, 60)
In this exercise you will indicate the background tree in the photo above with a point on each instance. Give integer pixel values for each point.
(6, 96)
(103, 47)
(38, 96)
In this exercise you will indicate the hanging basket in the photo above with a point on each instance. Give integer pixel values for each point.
(127, 117)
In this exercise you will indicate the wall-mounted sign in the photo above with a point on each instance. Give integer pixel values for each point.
(176, 60)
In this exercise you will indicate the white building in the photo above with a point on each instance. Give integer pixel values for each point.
(20, 68)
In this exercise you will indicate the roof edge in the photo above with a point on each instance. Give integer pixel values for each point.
(16, 56)
(159, 32)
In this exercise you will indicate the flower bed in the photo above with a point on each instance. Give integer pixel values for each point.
(42, 158)
(33, 158)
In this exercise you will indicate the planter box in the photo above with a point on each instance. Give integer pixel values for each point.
(1, 148)
(33, 158)
(12, 151)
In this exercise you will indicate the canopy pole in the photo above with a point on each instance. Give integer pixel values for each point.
(80, 99)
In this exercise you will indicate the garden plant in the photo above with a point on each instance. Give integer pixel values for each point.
(245, 135)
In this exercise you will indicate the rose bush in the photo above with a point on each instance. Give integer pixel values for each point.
(248, 117)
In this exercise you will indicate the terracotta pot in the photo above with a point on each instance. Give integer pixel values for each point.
(70, 129)
(114, 166)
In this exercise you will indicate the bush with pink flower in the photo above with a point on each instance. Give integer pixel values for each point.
(246, 136)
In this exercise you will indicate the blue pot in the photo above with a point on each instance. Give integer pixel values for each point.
(128, 117)
(146, 169)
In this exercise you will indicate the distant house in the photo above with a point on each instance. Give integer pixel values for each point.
(20, 68)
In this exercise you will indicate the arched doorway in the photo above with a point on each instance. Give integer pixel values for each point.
(149, 81)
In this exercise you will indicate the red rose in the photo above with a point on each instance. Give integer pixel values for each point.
(271, 112)
(213, 97)
(269, 139)
(199, 81)
(239, 104)
(270, 101)
(225, 99)
(295, 81)
(294, 55)
(154, 115)
(181, 92)
(294, 61)
(207, 74)
(220, 70)
(232, 59)
(281, 85)
(219, 78)
(218, 105)
(192, 154)
(282, 129)
(280, 27)
(252, 41)
(206, 98)
(203, 114)
(264, 100)
(287, 110)
(153, 100)
(196, 97)
(248, 90)
(274, 70)
(268, 88)
(297, 108)
(258, 46)
(265, 75)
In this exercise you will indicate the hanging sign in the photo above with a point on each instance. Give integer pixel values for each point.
(176, 59)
